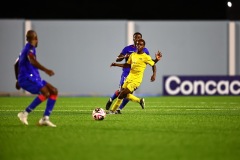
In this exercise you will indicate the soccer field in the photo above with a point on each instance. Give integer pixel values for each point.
(169, 128)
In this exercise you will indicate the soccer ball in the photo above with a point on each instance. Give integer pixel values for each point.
(98, 114)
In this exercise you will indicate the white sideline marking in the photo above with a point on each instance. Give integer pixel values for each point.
(215, 109)
(190, 109)
(44, 110)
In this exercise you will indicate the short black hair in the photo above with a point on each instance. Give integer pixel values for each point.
(137, 33)
(30, 35)
(142, 40)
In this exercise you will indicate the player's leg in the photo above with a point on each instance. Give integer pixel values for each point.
(123, 94)
(111, 99)
(115, 95)
(120, 98)
(52, 97)
(123, 104)
(136, 99)
(133, 86)
(53, 94)
(33, 86)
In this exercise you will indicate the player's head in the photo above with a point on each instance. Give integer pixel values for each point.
(136, 37)
(32, 37)
(140, 44)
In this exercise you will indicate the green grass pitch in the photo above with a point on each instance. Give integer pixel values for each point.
(169, 128)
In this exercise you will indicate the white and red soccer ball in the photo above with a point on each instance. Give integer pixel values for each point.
(98, 114)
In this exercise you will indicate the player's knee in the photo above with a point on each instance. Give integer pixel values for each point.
(55, 91)
(122, 95)
(46, 94)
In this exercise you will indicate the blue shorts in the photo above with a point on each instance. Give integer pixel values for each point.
(32, 84)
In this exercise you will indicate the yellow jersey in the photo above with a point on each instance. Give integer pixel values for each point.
(138, 65)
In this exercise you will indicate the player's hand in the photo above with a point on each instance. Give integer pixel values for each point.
(17, 85)
(158, 55)
(113, 64)
(49, 72)
(153, 77)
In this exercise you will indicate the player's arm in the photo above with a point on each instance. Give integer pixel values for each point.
(16, 69)
(121, 56)
(123, 65)
(36, 64)
(158, 56)
(154, 70)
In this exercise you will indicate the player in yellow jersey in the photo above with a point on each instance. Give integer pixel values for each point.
(138, 62)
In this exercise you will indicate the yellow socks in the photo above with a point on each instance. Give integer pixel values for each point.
(133, 98)
(119, 101)
(116, 104)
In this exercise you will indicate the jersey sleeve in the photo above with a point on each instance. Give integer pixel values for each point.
(149, 60)
(31, 53)
(125, 50)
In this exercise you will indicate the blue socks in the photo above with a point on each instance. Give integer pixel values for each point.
(34, 104)
(123, 104)
(50, 105)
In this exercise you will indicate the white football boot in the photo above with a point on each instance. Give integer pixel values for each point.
(46, 122)
(23, 117)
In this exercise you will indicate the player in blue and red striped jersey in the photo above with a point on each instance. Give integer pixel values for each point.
(126, 52)
(28, 78)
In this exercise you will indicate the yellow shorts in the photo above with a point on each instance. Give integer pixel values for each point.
(131, 85)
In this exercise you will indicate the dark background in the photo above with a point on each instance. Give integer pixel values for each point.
(122, 9)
